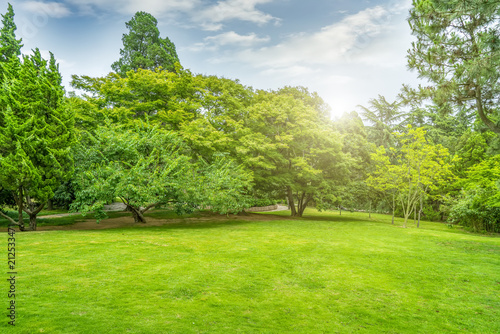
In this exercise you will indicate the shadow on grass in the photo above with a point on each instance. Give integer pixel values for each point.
(321, 216)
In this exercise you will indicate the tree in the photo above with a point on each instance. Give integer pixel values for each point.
(9, 45)
(36, 132)
(385, 177)
(146, 168)
(355, 193)
(419, 168)
(383, 117)
(478, 204)
(289, 143)
(144, 48)
(166, 98)
(458, 50)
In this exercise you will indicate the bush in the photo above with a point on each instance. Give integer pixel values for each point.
(471, 211)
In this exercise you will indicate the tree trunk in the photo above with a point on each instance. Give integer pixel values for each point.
(138, 216)
(20, 208)
(340, 210)
(33, 222)
(303, 205)
(32, 213)
(50, 205)
(393, 207)
(420, 210)
(480, 110)
(370, 210)
(291, 203)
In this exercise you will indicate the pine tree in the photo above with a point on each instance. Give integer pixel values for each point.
(36, 132)
(9, 45)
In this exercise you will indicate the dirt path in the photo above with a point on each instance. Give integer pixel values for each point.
(128, 221)
(90, 224)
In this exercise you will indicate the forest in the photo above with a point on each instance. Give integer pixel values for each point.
(152, 134)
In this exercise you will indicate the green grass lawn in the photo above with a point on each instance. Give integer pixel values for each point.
(319, 274)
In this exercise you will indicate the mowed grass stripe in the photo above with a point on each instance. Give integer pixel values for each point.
(319, 274)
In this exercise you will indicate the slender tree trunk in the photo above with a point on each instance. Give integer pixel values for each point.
(420, 210)
(370, 210)
(50, 205)
(340, 209)
(393, 207)
(291, 203)
(414, 213)
(20, 208)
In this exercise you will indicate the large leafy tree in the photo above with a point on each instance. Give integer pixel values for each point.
(289, 142)
(146, 168)
(144, 48)
(458, 51)
(36, 132)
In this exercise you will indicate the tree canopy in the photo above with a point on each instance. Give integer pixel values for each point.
(458, 50)
(144, 48)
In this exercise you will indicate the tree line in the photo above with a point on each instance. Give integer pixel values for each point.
(153, 134)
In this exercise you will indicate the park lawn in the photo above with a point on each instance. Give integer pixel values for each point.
(319, 274)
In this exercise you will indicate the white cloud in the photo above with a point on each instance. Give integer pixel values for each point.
(332, 44)
(201, 12)
(211, 18)
(346, 62)
(232, 38)
(51, 9)
(229, 39)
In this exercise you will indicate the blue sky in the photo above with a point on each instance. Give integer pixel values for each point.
(347, 51)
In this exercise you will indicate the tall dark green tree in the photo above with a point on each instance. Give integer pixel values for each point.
(458, 51)
(383, 118)
(9, 45)
(144, 48)
(36, 131)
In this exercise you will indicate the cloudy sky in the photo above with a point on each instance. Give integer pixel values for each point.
(347, 51)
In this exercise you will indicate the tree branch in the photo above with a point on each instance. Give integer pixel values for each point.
(12, 221)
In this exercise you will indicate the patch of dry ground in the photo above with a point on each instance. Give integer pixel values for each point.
(128, 221)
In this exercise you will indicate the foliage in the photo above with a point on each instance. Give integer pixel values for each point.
(163, 97)
(384, 118)
(9, 45)
(478, 205)
(36, 131)
(147, 167)
(221, 186)
(354, 193)
(288, 142)
(458, 50)
(471, 149)
(144, 48)
(420, 168)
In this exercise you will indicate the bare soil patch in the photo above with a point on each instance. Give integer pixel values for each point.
(128, 221)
